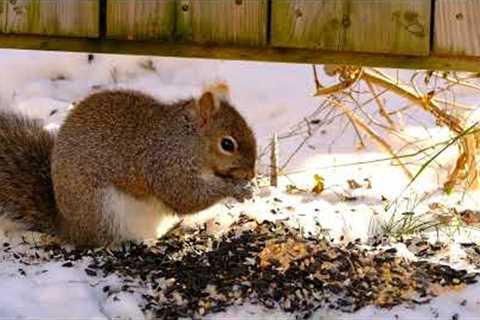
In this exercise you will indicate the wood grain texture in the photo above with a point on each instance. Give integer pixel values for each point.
(52, 17)
(383, 26)
(140, 19)
(457, 27)
(288, 55)
(240, 22)
(3, 14)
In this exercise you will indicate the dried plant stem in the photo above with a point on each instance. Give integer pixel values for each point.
(381, 107)
(375, 136)
(459, 82)
(466, 165)
(455, 105)
(354, 74)
(361, 144)
(408, 93)
(274, 161)
(315, 77)
(465, 170)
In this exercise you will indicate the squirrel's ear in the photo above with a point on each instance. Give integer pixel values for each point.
(220, 91)
(209, 102)
(205, 108)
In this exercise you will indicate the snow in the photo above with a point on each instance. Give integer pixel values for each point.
(58, 293)
(444, 307)
(51, 291)
(272, 97)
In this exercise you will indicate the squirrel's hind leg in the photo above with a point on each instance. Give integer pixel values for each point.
(133, 219)
(109, 216)
(80, 221)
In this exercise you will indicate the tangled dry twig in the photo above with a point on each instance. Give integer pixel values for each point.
(465, 169)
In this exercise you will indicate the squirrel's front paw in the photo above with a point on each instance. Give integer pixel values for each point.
(243, 191)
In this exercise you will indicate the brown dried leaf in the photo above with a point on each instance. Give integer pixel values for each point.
(352, 184)
(470, 217)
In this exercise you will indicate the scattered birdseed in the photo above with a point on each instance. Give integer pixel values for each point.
(472, 251)
(91, 273)
(269, 264)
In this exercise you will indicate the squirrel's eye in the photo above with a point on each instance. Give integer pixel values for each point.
(228, 144)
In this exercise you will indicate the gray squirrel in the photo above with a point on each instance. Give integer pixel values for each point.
(121, 162)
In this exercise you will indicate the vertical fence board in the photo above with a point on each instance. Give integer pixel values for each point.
(3, 14)
(240, 22)
(52, 17)
(457, 27)
(140, 19)
(380, 26)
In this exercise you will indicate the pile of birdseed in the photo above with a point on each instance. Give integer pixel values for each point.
(191, 275)
(472, 251)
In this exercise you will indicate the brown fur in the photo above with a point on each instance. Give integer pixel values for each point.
(147, 149)
(26, 191)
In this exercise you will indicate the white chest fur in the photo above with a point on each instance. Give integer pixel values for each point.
(133, 219)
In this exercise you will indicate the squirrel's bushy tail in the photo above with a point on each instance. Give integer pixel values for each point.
(26, 191)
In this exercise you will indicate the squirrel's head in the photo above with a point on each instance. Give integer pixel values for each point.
(231, 142)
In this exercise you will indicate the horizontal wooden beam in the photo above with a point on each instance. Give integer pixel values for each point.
(287, 55)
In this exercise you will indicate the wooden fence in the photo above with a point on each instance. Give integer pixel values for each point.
(436, 34)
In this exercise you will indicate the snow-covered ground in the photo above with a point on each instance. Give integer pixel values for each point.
(272, 97)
